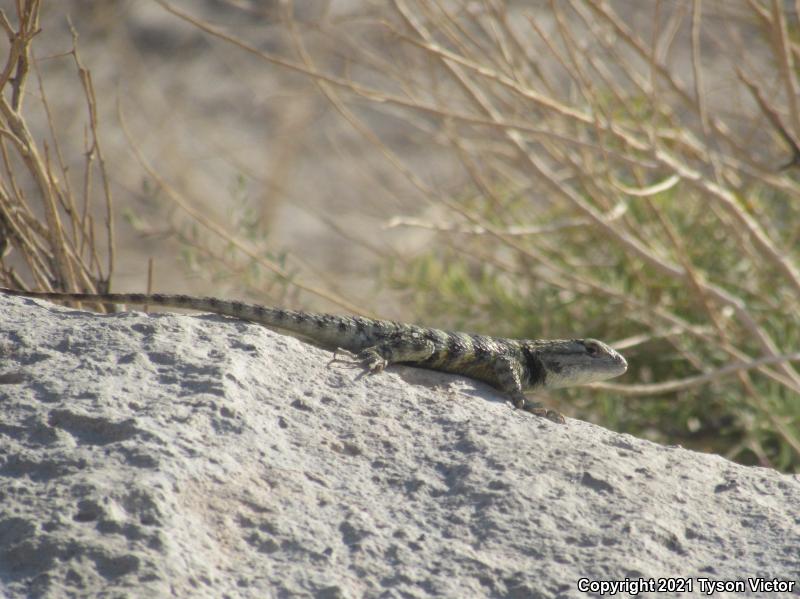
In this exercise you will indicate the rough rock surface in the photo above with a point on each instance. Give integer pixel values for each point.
(197, 456)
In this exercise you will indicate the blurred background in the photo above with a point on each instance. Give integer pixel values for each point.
(616, 169)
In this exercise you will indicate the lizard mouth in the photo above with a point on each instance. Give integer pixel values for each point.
(616, 366)
(621, 364)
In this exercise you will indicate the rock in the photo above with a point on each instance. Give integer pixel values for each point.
(200, 456)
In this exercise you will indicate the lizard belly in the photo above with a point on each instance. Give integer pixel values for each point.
(483, 372)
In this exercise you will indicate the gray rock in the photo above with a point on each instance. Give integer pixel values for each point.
(197, 456)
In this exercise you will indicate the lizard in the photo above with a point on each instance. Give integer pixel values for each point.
(512, 366)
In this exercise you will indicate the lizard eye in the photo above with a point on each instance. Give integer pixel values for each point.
(591, 348)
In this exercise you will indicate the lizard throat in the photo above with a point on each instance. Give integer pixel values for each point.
(537, 373)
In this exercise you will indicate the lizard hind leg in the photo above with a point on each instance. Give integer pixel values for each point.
(369, 360)
(406, 348)
(342, 356)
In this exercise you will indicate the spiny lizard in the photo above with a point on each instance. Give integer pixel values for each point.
(510, 365)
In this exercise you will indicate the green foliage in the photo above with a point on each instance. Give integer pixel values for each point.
(476, 282)
(614, 183)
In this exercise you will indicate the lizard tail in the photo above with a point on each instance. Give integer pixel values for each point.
(351, 333)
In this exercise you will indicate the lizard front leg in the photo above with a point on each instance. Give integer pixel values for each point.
(507, 373)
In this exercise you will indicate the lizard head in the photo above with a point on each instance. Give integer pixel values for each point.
(569, 362)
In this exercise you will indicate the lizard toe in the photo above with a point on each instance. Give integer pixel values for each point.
(551, 415)
(375, 366)
(371, 361)
(521, 403)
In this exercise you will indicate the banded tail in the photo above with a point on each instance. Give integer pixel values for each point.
(332, 331)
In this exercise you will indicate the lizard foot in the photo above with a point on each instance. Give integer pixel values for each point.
(551, 415)
(370, 361)
(536, 409)
(342, 356)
